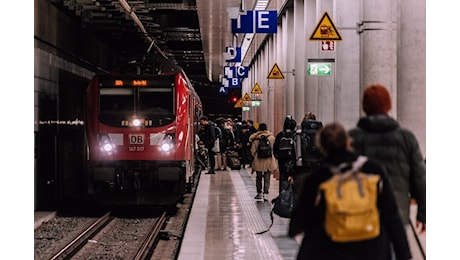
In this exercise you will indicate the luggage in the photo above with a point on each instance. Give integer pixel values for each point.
(233, 160)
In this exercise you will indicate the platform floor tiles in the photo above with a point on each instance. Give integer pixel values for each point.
(225, 219)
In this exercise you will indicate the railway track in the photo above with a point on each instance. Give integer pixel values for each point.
(96, 239)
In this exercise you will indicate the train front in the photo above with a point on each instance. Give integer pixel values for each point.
(138, 139)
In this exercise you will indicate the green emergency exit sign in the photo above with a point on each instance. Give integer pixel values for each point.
(319, 69)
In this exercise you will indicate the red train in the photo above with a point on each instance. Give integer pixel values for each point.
(141, 133)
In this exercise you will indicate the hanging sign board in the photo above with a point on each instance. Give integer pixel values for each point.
(275, 73)
(239, 103)
(325, 30)
(256, 89)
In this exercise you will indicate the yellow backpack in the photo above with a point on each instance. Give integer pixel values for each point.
(351, 203)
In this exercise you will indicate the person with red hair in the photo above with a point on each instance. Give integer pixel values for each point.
(309, 215)
(380, 136)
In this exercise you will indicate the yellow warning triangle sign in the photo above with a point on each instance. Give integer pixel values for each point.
(275, 73)
(325, 30)
(256, 89)
(239, 103)
(246, 97)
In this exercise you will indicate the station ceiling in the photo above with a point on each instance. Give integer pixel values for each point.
(191, 33)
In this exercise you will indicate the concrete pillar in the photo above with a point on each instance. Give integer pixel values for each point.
(311, 51)
(291, 106)
(411, 92)
(347, 63)
(378, 45)
(298, 53)
(271, 59)
(280, 86)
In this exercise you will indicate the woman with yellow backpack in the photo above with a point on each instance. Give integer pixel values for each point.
(347, 209)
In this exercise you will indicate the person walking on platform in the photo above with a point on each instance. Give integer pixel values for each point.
(246, 157)
(379, 136)
(308, 217)
(252, 128)
(308, 156)
(263, 164)
(284, 151)
(224, 142)
(208, 135)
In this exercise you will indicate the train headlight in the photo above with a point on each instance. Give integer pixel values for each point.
(108, 147)
(136, 122)
(106, 144)
(166, 147)
(167, 143)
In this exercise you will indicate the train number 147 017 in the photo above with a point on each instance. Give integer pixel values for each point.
(136, 148)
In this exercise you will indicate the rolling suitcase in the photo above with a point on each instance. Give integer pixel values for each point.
(233, 160)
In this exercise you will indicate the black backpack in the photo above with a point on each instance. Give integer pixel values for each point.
(309, 156)
(264, 150)
(286, 148)
(218, 132)
(281, 205)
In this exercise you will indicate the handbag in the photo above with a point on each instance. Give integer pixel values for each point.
(216, 147)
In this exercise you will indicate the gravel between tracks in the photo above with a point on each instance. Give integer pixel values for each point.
(52, 235)
(114, 244)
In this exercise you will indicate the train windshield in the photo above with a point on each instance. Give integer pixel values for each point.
(153, 104)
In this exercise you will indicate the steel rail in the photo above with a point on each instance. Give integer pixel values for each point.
(146, 247)
(77, 243)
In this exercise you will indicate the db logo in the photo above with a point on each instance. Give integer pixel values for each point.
(327, 45)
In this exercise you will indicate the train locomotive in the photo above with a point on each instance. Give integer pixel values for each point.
(141, 137)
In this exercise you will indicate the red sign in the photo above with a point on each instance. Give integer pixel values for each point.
(328, 45)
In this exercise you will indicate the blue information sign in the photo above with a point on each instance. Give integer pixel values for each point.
(261, 21)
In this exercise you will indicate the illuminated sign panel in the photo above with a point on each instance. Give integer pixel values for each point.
(131, 83)
(154, 81)
(139, 83)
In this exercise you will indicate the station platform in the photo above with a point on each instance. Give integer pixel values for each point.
(225, 219)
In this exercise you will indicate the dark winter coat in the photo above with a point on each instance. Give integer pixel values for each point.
(381, 138)
(308, 218)
(286, 166)
(227, 139)
(208, 135)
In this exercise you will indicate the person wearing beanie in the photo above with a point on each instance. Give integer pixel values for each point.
(286, 160)
(379, 136)
(376, 100)
(308, 160)
(308, 217)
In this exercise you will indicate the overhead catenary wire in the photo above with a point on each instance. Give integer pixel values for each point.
(131, 11)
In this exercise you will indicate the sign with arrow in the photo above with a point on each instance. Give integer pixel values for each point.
(319, 69)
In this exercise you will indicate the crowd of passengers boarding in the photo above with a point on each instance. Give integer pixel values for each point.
(378, 164)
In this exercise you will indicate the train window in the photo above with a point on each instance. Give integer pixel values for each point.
(157, 105)
(115, 105)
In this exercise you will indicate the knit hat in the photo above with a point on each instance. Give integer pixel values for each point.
(376, 100)
(289, 123)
